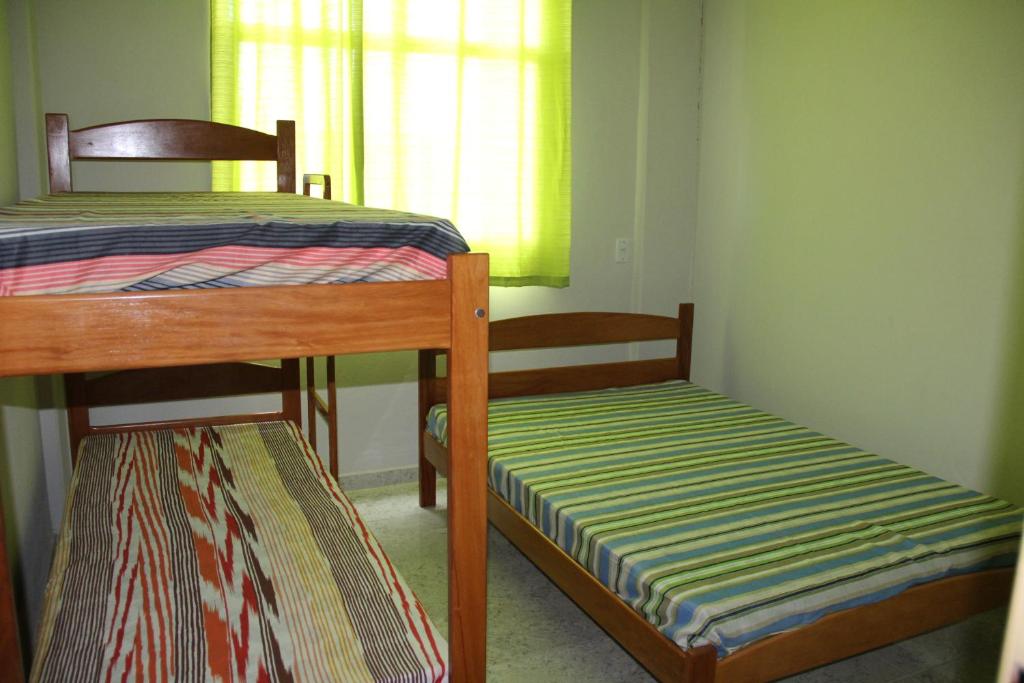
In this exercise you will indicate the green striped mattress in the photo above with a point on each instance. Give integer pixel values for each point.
(722, 524)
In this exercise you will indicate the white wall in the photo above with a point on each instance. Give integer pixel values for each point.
(113, 60)
(861, 231)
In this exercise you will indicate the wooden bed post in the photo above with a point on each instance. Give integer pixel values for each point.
(332, 418)
(291, 395)
(467, 469)
(684, 345)
(11, 662)
(286, 156)
(427, 398)
(311, 407)
(78, 411)
(329, 410)
(428, 474)
(57, 147)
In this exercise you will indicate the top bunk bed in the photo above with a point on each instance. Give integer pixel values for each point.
(101, 281)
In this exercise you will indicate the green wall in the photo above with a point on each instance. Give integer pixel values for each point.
(859, 242)
(22, 480)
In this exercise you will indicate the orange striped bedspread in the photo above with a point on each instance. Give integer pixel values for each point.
(223, 553)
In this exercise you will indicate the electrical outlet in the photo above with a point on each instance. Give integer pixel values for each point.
(623, 250)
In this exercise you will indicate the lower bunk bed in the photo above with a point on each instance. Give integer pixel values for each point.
(716, 542)
(220, 549)
(223, 553)
(210, 576)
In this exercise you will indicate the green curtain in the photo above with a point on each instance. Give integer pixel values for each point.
(455, 108)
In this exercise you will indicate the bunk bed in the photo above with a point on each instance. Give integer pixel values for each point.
(696, 530)
(87, 328)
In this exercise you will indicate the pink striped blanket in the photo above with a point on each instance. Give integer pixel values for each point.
(80, 242)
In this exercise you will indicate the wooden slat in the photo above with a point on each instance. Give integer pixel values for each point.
(564, 379)
(576, 329)
(157, 139)
(84, 332)
(581, 377)
(166, 139)
(187, 422)
(151, 385)
(467, 500)
(844, 634)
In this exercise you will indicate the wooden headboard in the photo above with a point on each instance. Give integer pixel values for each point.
(574, 329)
(176, 383)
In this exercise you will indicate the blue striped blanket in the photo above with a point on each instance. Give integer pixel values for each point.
(80, 242)
(722, 524)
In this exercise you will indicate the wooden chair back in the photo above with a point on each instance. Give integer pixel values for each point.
(166, 140)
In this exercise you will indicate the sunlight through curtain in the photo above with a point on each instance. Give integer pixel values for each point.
(455, 108)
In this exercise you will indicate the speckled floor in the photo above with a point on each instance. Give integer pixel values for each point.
(562, 644)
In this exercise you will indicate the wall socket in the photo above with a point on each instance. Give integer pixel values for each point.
(623, 250)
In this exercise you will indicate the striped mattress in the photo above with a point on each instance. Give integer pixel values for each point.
(223, 553)
(83, 242)
(723, 524)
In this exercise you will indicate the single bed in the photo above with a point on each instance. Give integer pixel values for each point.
(235, 556)
(716, 541)
(63, 318)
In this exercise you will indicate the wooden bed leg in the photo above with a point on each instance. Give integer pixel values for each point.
(428, 475)
(78, 411)
(10, 646)
(702, 664)
(311, 399)
(332, 418)
(315, 406)
(291, 391)
(684, 345)
(467, 469)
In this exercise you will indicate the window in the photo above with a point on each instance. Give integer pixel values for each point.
(456, 108)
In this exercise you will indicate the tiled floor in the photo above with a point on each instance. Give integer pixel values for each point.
(536, 634)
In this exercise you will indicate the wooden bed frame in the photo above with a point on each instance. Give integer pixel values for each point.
(834, 637)
(149, 332)
(97, 332)
(182, 140)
